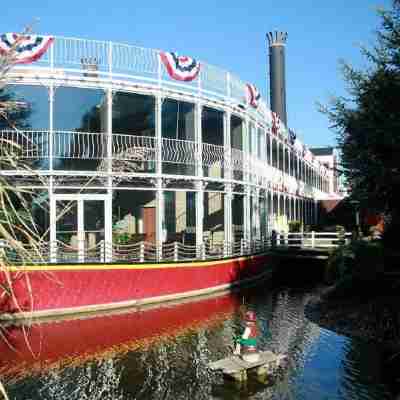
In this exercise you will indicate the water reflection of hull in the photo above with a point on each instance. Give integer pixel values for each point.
(69, 289)
(70, 342)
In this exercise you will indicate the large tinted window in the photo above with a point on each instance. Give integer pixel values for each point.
(178, 120)
(80, 120)
(178, 132)
(212, 124)
(236, 132)
(212, 134)
(30, 148)
(33, 112)
(133, 114)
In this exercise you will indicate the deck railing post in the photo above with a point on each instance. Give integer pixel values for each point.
(176, 252)
(141, 252)
(203, 251)
(102, 251)
(312, 239)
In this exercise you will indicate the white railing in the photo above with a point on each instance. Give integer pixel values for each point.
(80, 145)
(178, 151)
(133, 153)
(96, 60)
(102, 59)
(59, 252)
(25, 144)
(312, 239)
(143, 251)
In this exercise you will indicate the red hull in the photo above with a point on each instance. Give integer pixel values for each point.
(65, 289)
(49, 349)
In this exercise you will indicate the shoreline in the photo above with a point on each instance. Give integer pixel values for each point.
(370, 319)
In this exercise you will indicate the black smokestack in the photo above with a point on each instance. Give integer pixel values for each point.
(277, 43)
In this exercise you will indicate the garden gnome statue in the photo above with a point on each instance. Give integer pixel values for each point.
(246, 344)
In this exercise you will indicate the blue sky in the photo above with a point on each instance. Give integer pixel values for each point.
(231, 35)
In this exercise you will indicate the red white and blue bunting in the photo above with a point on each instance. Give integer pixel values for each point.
(181, 68)
(276, 123)
(253, 95)
(24, 49)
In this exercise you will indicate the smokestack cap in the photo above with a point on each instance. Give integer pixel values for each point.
(277, 38)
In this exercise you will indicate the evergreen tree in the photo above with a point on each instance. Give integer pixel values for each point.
(368, 123)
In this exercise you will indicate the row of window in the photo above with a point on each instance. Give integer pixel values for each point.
(85, 110)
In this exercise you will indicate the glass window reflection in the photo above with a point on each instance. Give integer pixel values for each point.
(80, 120)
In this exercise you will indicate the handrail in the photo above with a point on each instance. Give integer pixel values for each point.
(135, 153)
(96, 58)
(144, 251)
(312, 239)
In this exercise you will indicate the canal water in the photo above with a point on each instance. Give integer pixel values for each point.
(162, 353)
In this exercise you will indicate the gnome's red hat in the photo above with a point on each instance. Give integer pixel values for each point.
(250, 316)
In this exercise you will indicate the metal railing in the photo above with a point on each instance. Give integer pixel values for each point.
(59, 252)
(313, 239)
(104, 60)
(96, 60)
(143, 251)
(134, 153)
(129, 153)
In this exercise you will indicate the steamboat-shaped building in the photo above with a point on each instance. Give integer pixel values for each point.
(132, 155)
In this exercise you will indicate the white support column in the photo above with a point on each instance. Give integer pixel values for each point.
(269, 212)
(316, 216)
(256, 213)
(278, 209)
(277, 154)
(227, 146)
(51, 125)
(159, 190)
(228, 237)
(53, 224)
(270, 147)
(81, 232)
(273, 211)
(284, 198)
(199, 183)
(159, 219)
(199, 219)
(246, 179)
(246, 215)
(158, 126)
(53, 216)
(108, 246)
